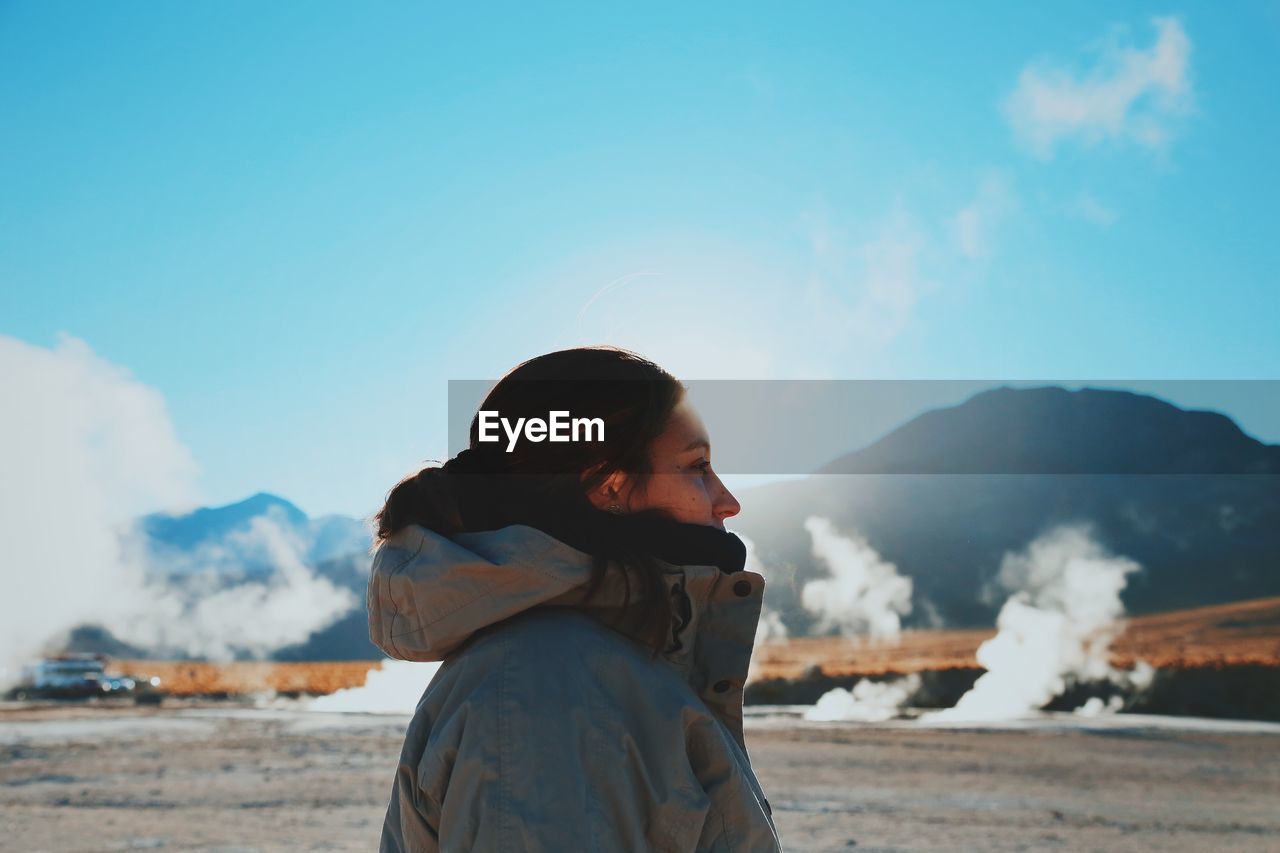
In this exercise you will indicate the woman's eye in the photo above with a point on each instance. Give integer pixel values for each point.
(703, 466)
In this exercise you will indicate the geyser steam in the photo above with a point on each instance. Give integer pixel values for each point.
(1055, 628)
(85, 448)
(865, 595)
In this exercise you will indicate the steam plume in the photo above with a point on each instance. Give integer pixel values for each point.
(86, 447)
(1055, 628)
(393, 688)
(868, 702)
(195, 612)
(865, 595)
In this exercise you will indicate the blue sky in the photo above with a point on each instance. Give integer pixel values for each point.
(297, 221)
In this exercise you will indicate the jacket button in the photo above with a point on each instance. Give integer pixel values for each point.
(721, 686)
(742, 588)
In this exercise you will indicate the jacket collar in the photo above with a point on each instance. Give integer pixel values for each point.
(428, 594)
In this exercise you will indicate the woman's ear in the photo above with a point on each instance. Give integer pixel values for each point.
(611, 492)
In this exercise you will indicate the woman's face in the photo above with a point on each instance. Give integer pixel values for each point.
(682, 482)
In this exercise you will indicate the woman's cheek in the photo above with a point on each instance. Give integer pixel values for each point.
(700, 501)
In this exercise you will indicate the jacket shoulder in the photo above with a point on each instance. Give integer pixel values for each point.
(563, 643)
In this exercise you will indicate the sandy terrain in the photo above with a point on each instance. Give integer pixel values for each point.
(227, 777)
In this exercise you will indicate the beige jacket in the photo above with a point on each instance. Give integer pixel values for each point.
(546, 729)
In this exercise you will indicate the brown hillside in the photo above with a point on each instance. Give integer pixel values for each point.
(1246, 632)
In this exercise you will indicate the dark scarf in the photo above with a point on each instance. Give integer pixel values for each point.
(674, 542)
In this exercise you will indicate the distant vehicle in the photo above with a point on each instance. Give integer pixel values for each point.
(80, 677)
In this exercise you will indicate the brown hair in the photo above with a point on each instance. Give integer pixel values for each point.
(545, 484)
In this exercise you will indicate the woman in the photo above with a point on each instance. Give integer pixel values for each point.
(595, 624)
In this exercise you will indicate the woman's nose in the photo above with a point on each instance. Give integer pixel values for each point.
(726, 505)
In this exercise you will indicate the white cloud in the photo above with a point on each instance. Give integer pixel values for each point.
(705, 307)
(1088, 208)
(865, 291)
(1129, 94)
(973, 227)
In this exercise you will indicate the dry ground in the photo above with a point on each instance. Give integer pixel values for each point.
(235, 778)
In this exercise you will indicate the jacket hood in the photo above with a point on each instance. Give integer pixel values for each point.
(428, 593)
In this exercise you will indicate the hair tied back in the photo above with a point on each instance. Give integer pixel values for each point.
(469, 461)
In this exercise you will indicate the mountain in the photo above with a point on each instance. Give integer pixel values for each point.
(213, 523)
(263, 540)
(944, 497)
(1051, 430)
(222, 537)
(1186, 494)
